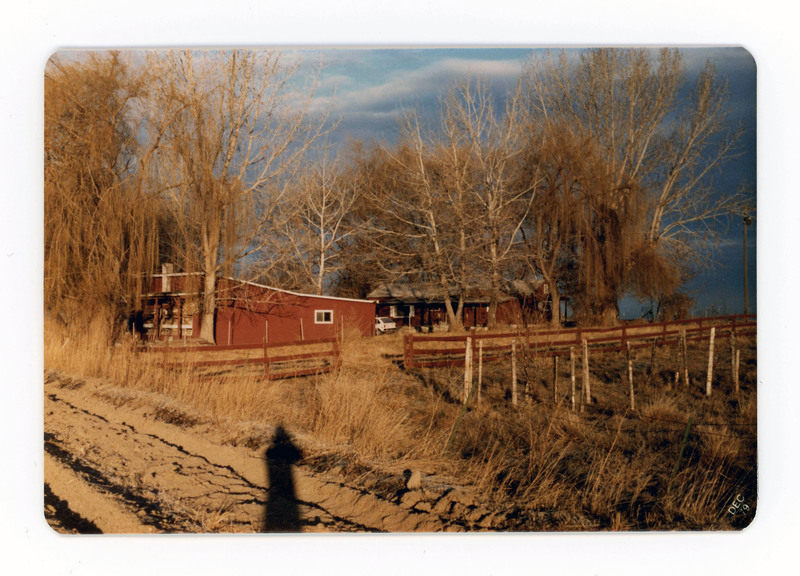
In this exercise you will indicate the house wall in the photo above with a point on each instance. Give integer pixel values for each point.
(429, 314)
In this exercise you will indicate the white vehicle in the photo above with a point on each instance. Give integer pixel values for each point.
(383, 325)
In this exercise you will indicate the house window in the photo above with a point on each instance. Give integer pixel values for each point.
(323, 317)
(393, 311)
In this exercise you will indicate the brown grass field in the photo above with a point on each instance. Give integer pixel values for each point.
(374, 435)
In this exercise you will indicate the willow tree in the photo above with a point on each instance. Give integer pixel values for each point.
(558, 162)
(99, 223)
(231, 134)
(653, 138)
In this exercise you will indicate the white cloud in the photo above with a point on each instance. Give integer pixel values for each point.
(422, 86)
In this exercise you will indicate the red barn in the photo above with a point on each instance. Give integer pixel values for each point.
(248, 312)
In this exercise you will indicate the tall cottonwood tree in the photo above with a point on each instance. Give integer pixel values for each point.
(230, 139)
(501, 192)
(431, 211)
(449, 207)
(379, 248)
(630, 106)
(311, 227)
(100, 226)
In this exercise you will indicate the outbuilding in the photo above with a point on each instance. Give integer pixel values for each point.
(422, 305)
(248, 313)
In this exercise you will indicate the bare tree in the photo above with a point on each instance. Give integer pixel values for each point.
(432, 210)
(311, 227)
(451, 209)
(230, 141)
(652, 142)
(492, 161)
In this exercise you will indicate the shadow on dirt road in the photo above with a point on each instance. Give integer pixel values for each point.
(282, 511)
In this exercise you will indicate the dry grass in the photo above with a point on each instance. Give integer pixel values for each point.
(551, 468)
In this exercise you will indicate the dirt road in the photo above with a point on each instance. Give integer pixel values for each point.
(116, 469)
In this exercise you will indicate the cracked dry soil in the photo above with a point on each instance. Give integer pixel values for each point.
(111, 469)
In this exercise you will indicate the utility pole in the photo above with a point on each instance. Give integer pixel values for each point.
(747, 221)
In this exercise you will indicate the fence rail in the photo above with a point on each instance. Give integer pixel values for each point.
(279, 360)
(441, 351)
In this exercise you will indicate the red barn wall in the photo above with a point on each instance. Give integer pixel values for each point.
(247, 313)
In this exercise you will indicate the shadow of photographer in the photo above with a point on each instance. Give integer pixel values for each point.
(282, 511)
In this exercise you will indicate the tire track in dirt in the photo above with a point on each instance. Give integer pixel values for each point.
(159, 477)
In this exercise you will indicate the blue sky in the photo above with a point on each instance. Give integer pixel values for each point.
(368, 91)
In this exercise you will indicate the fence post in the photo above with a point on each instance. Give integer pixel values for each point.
(266, 360)
(652, 361)
(467, 369)
(514, 372)
(587, 387)
(266, 331)
(302, 332)
(555, 379)
(337, 353)
(473, 345)
(410, 340)
(684, 358)
(630, 373)
(736, 379)
(710, 361)
(572, 377)
(480, 368)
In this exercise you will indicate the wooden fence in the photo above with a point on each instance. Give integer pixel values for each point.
(278, 361)
(451, 350)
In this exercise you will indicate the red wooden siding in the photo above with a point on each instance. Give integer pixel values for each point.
(247, 313)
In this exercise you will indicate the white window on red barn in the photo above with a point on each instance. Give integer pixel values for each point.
(323, 317)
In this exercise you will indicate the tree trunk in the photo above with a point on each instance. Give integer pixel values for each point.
(211, 240)
(454, 317)
(609, 313)
(209, 308)
(495, 288)
(555, 307)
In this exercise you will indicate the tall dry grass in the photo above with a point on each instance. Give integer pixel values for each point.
(358, 409)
